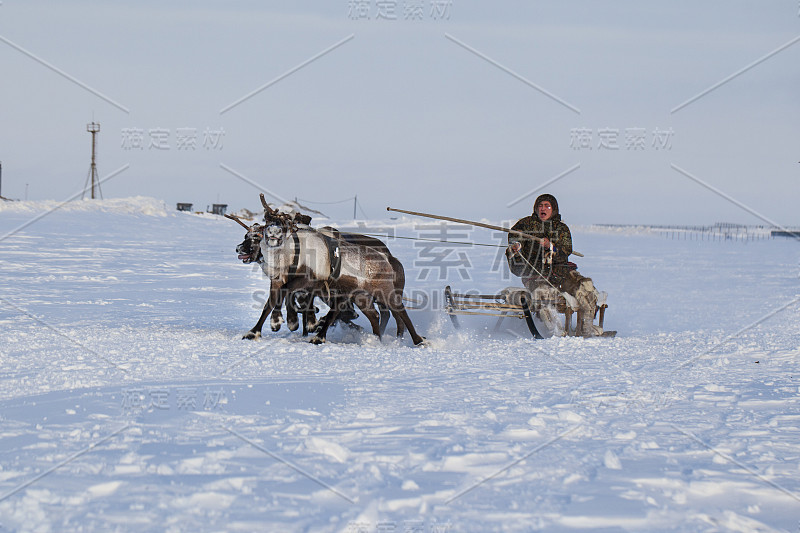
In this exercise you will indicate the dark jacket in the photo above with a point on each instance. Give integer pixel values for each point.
(553, 229)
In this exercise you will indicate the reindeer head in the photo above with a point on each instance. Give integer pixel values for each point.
(277, 225)
(249, 250)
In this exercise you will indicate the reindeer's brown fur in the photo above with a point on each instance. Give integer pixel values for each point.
(383, 284)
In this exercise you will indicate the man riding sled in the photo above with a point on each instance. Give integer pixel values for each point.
(542, 262)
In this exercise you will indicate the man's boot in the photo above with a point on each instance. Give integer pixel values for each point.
(587, 301)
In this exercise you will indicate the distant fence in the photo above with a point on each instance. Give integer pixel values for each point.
(791, 234)
(717, 233)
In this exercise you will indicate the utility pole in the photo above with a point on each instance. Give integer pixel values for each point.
(355, 203)
(1, 179)
(93, 128)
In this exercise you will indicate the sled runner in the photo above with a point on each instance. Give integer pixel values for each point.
(519, 303)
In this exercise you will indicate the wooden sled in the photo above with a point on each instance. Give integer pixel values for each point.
(519, 303)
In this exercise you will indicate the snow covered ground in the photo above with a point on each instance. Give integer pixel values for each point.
(128, 400)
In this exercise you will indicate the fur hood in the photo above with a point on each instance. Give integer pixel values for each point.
(549, 198)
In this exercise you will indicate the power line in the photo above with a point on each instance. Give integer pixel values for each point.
(354, 199)
(328, 203)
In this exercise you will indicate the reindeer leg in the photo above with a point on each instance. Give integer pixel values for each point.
(272, 301)
(292, 322)
(415, 337)
(347, 313)
(310, 322)
(399, 286)
(401, 327)
(255, 331)
(398, 309)
(365, 303)
(327, 320)
(384, 314)
(307, 312)
(306, 322)
(277, 317)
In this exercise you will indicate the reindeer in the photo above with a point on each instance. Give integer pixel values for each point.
(302, 258)
(397, 268)
(301, 302)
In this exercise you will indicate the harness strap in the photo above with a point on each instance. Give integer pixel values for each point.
(327, 291)
(334, 257)
(296, 257)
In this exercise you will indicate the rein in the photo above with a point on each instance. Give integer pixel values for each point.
(477, 224)
(542, 276)
(388, 237)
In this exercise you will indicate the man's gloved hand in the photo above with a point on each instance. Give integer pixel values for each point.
(515, 247)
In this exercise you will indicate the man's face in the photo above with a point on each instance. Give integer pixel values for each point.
(545, 210)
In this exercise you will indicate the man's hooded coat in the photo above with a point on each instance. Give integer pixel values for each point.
(553, 229)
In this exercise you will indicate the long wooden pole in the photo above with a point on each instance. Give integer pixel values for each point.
(473, 223)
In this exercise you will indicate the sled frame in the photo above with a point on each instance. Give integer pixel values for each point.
(497, 306)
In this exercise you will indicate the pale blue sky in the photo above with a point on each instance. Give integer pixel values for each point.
(417, 114)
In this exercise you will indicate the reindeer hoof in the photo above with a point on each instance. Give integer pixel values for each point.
(317, 340)
(251, 335)
(421, 342)
(293, 325)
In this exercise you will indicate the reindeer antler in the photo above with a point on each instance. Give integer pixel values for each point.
(267, 208)
(236, 219)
